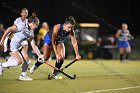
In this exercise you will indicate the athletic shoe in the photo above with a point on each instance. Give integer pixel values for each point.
(54, 74)
(122, 61)
(51, 76)
(32, 69)
(25, 78)
(56, 77)
(1, 69)
(127, 61)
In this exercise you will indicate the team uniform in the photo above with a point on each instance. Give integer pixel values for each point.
(22, 33)
(20, 26)
(123, 40)
(123, 44)
(58, 33)
(42, 32)
(16, 42)
(19, 37)
(60, 36)
(48, 40)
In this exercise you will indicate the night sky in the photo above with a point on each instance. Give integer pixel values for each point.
(109, 13)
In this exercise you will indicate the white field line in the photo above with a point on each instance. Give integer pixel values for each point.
(106, 90)
(103, 70)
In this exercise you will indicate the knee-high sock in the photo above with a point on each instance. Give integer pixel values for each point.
(37, 64)
(11, 62)
(58, 64)
(121, 57)
(127, 56)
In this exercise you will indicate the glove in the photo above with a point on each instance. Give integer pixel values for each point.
(41, 59)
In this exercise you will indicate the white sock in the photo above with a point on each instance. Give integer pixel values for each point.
(23, 74)
(10, 63)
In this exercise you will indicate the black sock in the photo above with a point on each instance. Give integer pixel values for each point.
(37, 64)
(121, 57)
(58, 65)
(60, 62)
(127, 56)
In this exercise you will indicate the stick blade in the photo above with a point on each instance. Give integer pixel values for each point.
(50, 77)
(74, 77)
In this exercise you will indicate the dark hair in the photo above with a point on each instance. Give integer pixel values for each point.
(70, 20)
(23, 9)
(33, 19)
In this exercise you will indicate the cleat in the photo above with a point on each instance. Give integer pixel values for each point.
(32, 69)
(56, 77)
(51, 76)
(25, 78)
(127, 61)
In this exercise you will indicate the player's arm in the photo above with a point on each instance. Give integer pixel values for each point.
(118, 34)
(75, 45)
(36, 50)
(10, 29)
(34, 47)
(130, 36)
(54, 35)
(39, 37)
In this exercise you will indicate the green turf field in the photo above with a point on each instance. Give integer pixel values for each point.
(93, 76)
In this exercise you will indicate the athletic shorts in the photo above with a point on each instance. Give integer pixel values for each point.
(123, 44)
(24, 43)
(48, 40)
(14, 46)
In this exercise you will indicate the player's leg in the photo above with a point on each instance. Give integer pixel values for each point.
(7, 47)
(121, 50)
(121, 46)
(14, 60)
(46, 52)
(24, 52)
(25, 64)
(128, 51)
(61, 51)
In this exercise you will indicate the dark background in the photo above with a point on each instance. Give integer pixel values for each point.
(113, 12)
(110, 14)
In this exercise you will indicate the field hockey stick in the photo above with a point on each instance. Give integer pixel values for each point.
(71, 77)
(68, 64)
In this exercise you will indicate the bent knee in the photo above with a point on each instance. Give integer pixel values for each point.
(19, 61)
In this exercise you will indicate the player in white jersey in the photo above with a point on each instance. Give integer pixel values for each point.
(19, 36)
(123, 36)
(20, 23)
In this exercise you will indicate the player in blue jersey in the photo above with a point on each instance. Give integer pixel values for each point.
(123, 36)
(54, 40)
